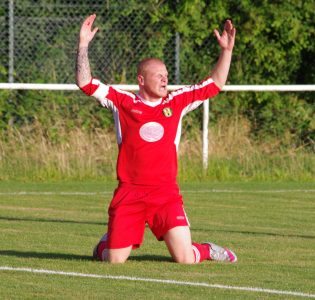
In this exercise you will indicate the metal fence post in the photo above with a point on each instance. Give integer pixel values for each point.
(177, 58)
(11, 41)
(205, 141)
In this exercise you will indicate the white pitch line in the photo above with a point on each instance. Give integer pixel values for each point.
(153, 280)
(23, 193)
(249, 192)
(51, 193)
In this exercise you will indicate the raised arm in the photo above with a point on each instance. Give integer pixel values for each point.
(83, 71)
(226, 42)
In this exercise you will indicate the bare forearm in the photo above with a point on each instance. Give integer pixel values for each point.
(221, 69)
(83, 70)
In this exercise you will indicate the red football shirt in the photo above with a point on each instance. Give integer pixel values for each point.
(148, 133)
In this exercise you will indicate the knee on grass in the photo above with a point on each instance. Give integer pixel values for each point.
(184, 259)
(116, 256)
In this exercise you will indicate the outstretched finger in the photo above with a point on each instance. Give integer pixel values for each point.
(94, 31)
(217, 34)
(227, 22)
(233, 32)
(228, 25)
(89, 20)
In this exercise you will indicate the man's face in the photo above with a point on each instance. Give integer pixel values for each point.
(153, 80)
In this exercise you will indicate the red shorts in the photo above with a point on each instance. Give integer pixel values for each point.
(132, 207)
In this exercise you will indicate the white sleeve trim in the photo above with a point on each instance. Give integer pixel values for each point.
(101, 93)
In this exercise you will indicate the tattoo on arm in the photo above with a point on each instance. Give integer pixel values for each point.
(83, 71)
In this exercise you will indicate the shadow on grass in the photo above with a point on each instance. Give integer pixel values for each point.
(151, 258)
(64, 256)
(301, 236)
(52, 221)
(44, 255)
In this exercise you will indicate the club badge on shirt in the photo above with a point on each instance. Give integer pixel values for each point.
(167, 111)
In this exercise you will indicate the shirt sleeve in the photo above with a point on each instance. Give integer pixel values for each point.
(105, 94)
(190, 97)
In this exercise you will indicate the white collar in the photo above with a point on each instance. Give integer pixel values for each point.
(150, 103)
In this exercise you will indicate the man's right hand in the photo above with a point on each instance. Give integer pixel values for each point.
(86, 32)
(83, 70)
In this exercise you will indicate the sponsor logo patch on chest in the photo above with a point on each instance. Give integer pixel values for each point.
(151, 132)
(136, 111)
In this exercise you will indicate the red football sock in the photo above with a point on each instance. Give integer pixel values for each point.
(201, 252)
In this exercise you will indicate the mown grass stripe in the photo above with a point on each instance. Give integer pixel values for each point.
(162, 281)
(24, 193)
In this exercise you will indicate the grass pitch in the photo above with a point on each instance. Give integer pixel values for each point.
(54, 227)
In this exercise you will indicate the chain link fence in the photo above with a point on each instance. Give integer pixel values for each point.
(38, 44)
(38, 40)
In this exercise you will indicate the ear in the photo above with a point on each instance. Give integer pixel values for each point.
(140, 80)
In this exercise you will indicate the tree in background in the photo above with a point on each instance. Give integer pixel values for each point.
(274, 46)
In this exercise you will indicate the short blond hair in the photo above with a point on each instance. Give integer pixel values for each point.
(145, 62)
